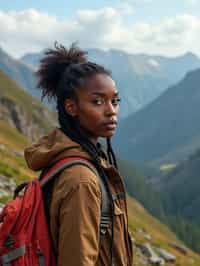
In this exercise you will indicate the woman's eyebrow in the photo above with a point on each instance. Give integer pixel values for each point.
(103, 94)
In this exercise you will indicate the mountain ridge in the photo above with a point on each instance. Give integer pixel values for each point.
(139, 78)
(165, 130)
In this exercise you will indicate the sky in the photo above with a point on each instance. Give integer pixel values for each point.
(169, 28)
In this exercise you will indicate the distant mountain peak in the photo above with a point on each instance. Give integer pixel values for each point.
(154, 63)
(190, 55)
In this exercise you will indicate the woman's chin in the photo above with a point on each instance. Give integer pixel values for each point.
(108, 134)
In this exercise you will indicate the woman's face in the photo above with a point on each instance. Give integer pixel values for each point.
(96, 106)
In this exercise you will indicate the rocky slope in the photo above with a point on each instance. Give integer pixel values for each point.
(22, 111)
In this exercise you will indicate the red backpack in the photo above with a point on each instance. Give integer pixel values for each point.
(24, 235)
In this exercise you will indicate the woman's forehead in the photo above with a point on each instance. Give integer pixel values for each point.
(100, 84)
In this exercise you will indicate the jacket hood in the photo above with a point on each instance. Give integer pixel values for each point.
(51, 148)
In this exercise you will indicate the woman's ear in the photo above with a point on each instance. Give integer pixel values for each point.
(70, 107)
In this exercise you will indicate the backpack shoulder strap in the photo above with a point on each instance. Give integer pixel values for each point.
(69, 162)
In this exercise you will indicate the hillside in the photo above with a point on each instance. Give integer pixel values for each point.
(143, 227)
(181, 187)
(167, 130)
(19, 72)
(22, 111)
(138, 187)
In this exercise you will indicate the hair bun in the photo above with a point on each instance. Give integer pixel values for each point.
(74, 55)
(54, 63)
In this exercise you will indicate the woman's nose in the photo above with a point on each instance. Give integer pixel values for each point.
(111, 109)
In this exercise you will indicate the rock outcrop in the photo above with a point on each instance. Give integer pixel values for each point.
(17, 117)
(7, 186)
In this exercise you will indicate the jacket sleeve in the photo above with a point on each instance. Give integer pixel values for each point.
(79, 220)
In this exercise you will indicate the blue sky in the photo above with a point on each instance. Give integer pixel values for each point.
(59, 8)
(146, 9)
(150, 26)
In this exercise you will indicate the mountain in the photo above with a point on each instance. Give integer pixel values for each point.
(22, 111)
(167, 130)
(140, 78)
(19, 72)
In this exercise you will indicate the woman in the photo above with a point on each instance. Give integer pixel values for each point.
(87, 104)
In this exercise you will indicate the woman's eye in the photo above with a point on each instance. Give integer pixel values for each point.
(98, 101)
(116, 101)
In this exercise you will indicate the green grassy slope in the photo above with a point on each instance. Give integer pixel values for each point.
(160, 233)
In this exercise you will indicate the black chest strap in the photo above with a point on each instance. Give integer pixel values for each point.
(106, 216)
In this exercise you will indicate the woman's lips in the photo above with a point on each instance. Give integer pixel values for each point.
(111, 125)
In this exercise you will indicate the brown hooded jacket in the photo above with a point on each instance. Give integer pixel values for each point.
(75, 206)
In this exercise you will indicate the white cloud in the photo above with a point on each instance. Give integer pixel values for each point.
(31, 30)
(191, 2)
